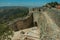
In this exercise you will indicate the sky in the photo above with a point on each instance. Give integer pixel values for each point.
(25, 2)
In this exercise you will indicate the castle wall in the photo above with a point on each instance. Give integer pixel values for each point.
(24, 23)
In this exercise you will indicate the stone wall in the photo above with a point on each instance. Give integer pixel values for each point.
(23, 23)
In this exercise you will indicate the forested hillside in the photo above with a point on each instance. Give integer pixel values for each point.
(10, 13)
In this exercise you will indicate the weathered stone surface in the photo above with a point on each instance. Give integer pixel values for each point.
(29, 34)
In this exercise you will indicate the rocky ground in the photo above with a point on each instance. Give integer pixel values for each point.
(27, 34)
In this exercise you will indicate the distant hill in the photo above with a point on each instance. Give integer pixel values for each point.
(5, 7)
(9, 13)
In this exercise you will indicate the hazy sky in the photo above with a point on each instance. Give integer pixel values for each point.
(25, 2)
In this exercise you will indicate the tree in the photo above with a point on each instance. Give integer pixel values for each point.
(5, 32)
(52, 4)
